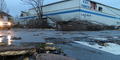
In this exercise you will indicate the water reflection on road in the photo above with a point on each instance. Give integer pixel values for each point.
(73, 50)
(9, 39)
(6, 37)
(39, 35)
(18, 36)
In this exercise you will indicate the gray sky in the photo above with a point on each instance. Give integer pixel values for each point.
(15, 6)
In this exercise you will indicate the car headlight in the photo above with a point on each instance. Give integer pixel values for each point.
(9, 23)
(1, 24)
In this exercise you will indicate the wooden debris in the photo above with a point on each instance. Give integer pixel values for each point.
(12, 51)
(3, 44)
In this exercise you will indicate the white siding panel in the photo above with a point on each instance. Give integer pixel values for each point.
(61, 6)
(109, 16)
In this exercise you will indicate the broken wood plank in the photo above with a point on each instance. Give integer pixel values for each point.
(15, 50)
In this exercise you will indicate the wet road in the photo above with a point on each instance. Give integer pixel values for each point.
(81, 52)
(77, 51)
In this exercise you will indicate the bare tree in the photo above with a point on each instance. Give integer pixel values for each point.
(37, 6)
(3, 5)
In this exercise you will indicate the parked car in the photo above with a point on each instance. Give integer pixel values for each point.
(5, 25)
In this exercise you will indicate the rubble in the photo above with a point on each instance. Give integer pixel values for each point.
(49, 48)
(81, 25)
(16, 38)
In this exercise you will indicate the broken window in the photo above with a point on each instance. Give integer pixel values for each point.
(100, 9)
(93, 5)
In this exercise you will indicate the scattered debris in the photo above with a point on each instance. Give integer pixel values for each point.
(58, 40)
(3, 44)
(78, 25)
(36, 35)
(16, 38)
(49, 48)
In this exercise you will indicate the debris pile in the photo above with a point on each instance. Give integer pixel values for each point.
(16, 38)
(15, 50)
(49, 48)
(78, 25)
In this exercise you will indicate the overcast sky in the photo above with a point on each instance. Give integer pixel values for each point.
(15, 6)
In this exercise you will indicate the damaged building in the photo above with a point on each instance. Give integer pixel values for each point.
(62, 12)
(4, 16)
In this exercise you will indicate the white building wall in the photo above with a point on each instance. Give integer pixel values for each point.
(109, 10)
(99, 19)
(108, 16)
(62, 8)
(32, 12)
(62, 12)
